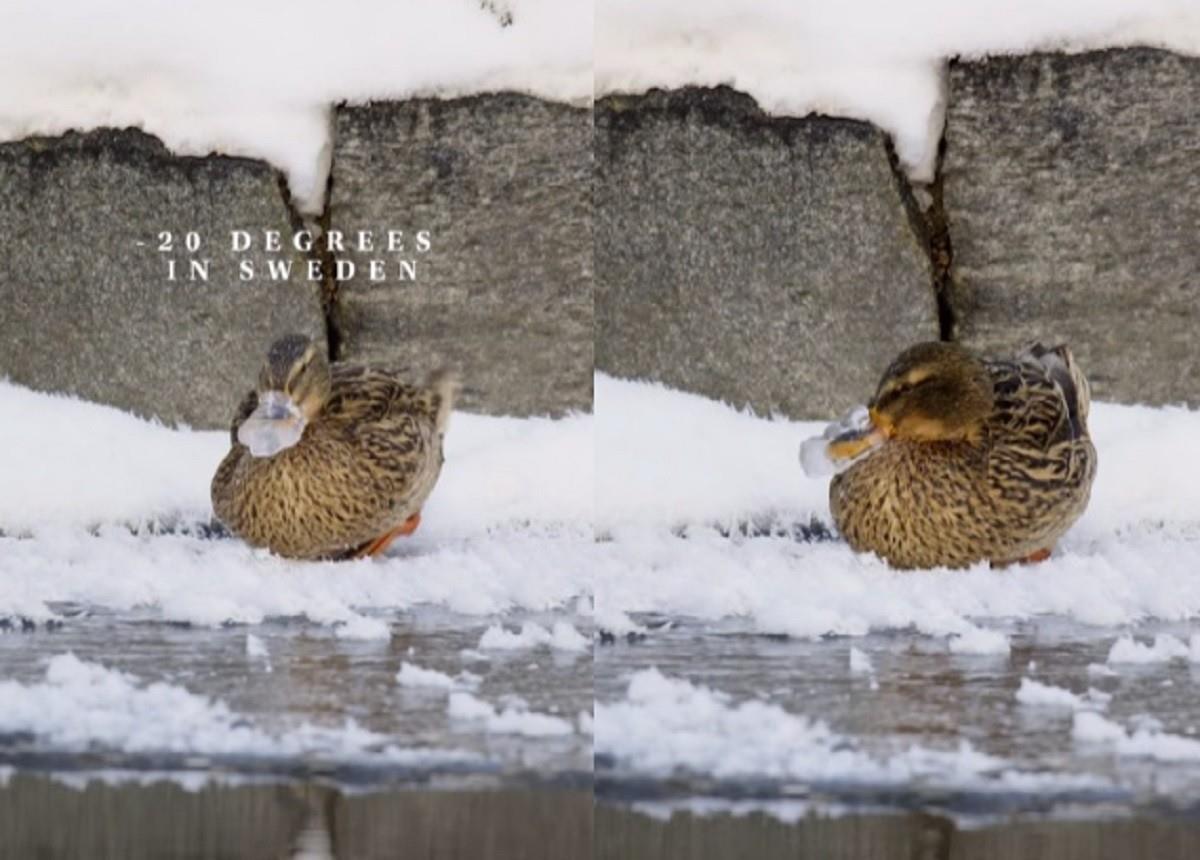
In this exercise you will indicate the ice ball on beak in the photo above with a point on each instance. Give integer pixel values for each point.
(276, 424)
(843, 443)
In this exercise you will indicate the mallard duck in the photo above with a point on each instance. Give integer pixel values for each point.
(966, 460)
(330, 461)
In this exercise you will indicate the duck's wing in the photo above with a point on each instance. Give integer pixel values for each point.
(1041, 398)
(1060, 365)
(368, 395)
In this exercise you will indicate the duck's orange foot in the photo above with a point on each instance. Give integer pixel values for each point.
(1032, 558)
(381, 543)
(410, 525)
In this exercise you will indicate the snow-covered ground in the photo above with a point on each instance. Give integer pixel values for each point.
(879, 61)
(258, 79)
(89, 491)
(676, 474)
(713, 543)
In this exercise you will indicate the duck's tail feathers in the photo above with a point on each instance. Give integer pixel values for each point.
(1060, 365)
(445, 385)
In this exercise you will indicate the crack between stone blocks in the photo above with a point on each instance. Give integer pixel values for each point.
(932, 232)
(941, 251)
(326, 258)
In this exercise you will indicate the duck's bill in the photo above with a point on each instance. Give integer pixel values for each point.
(850, 446)
(275, 425)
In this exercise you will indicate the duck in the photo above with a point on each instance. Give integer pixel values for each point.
(330, 460)
(963, 459)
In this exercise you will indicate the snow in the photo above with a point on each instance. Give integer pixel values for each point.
(665, 726)
(509, 525)
(412, 675)
(259, 80)
(1091, 728)
(879, 61)
(362, 627)
(1164, 649)
(682, 479)
(82, 706)
(562, 637)
(860, 663)
(516, 720)
(256, 648)
(1037, 694)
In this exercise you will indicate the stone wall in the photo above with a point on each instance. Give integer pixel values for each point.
(1072, 196)
(778, 263)
(775, 263)
(86, 306)
(502, 184)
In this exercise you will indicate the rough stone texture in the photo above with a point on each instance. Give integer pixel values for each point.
(503, 185)
(1072, 192)
(763, 261)
(85, 303)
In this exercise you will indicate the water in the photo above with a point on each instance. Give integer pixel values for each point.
(310, 675)
(921, 694)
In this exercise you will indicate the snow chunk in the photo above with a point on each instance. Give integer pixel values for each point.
(1140, 743)
(510, 721)
(563, 637)
(860, 663)
(1165, 648)
(666, 724)
(1044, 695)
(362, 627)
(980, 641)
(256, 648)
(82, 705)
(411, 675)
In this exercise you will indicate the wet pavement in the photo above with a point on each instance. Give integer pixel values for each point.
(918, 693)
(310, 675)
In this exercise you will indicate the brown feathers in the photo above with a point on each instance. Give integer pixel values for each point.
(365, 464)
(1002, 492)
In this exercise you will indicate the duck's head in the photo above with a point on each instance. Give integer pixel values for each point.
(932, 392)
(293, 385)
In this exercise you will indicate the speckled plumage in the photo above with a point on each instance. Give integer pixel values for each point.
(364, 465)
(1006, 493)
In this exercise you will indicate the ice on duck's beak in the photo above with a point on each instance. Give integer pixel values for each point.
(844, 442)
(276, 424)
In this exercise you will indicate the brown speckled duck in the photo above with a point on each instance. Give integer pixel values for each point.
(966, 460)
(330, 461)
